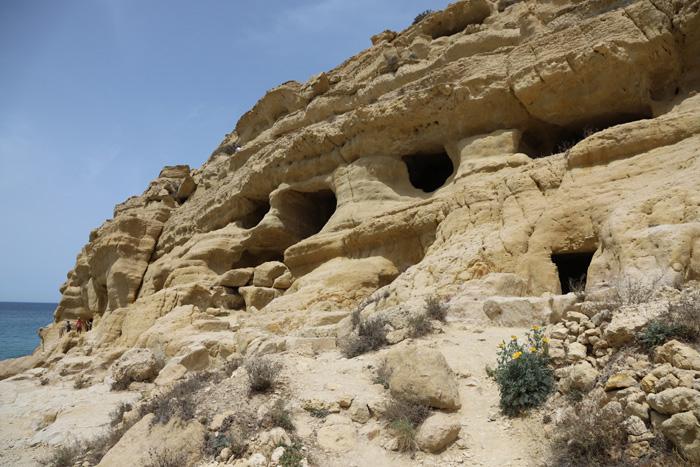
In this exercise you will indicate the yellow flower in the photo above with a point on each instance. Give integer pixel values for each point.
(500, 345)
(517, 354)
(513, 337)
(532, 349)
(535, 327)
(545, 339)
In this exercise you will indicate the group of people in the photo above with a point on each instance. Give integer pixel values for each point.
(79, 325)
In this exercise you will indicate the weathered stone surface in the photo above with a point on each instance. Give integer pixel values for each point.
(518, 311)
(133, 448)
(684, 430)
(619, 382)
(266, 273)
(337, 434)
(422, 374)
(236, 277)
(258, 297)
(437, 431)
(677, 354)
(134, 365)
(580, 376)
(675, 400)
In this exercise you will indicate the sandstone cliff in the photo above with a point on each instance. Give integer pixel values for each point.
(487, 150)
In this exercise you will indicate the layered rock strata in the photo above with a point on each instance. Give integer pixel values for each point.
(492, 149)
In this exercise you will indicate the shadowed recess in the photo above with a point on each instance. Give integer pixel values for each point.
(428, 172)
(572, 267)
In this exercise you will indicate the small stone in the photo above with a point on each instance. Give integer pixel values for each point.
(634, 426)
(667, 382)
(576, 352)
(619, 382)
(226, 454)
(648, 383)
(276, 455)
(640, 449)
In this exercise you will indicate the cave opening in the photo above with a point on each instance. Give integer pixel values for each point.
(254, 257)
(573, 269)
(546, 140)
(305, 213)
(260, 208)
(428, 172)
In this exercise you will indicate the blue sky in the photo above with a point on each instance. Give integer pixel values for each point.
(96, 96)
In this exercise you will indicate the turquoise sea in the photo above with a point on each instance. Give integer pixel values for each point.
(19, 327)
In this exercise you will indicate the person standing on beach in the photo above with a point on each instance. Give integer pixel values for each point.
(79, 326)
(67, 326)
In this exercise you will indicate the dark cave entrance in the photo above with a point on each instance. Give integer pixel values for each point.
(260, 209)
(573, 269)
(428, 172)
(545, 140)
(305, 213)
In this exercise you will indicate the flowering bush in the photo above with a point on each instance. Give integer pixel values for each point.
(523, 374)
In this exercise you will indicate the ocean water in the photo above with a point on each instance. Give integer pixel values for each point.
(19, 327)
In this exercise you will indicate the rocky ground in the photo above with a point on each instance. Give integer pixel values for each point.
(486, 437)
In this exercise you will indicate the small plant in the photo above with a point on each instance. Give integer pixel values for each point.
(280, 416)
(319, 413)
(370, 335)
(435, 309)
(79, 382)
(421, 16)
(64, 456)
(589, 439)
(420, 325)
(293, 454)
(63, 372)
(165, 457)
(403, 409)
(405, 434)
(383, 375)
(523, 374)
(631, 291)
(262, 373)
(44, 381)
(117, 414)
(404, 417)
(578, 287)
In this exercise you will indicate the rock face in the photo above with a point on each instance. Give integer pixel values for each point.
(493, 149)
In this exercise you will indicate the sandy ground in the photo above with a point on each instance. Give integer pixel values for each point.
(487, 438)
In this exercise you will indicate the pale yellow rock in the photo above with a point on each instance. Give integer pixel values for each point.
(437, 431)
(619, 382)
(420, 373)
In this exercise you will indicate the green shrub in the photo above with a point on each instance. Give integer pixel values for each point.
(383, 374)
(421, 16)
(64, 456)
(293, 454)
(280, 416)
(403, 409)
(370, 335)
(262, 373)
(405, 434)
(658, 332)
(435, 309)
(420, 325)
(523, 374)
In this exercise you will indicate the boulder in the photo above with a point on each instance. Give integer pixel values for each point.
(358, 411)
(258, 297)
(624, 326)
(266, 273)
(619, 382)
(576, 352)
(579, 376)
(677, 354)
(675, 400)
(683, 429)
(235, 278)
(437, 431)
(421, 374)
(134, 365)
